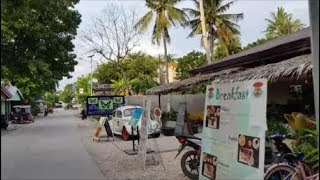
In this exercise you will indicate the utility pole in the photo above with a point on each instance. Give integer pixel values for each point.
(204, 31)
(91, 73)
(314, 22)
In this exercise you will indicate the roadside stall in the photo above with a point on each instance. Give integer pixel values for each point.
(284, 64)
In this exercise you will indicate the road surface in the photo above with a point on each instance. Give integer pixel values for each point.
(50, 148)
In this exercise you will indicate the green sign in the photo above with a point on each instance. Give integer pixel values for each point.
(92, 100)
(106, 104)
(117, 100)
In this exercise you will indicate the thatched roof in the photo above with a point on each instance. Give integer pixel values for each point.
(273, 51)
(297, 68)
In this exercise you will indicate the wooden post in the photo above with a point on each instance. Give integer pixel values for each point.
(314, 22)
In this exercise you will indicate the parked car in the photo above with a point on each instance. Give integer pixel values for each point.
(58, 105)
(120, 123)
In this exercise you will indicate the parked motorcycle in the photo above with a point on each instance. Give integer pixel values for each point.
(190, 161)
(46, 113)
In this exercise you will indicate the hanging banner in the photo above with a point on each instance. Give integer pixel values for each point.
(233, 137)
(103, 105)
(135, 118)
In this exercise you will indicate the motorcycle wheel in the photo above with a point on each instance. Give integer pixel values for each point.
(190, 163)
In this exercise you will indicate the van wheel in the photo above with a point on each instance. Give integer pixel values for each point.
(156, 135)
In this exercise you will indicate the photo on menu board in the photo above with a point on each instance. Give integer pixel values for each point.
(248, 150)
(213, 117)
(209, 166)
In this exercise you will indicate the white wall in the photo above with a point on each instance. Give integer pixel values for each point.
(195, 102)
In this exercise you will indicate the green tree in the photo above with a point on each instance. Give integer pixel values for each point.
(51, 98)
(281, 24)
(67, 94)
(257, 42)
(106, 72)
(220, 24)
(140, 69)
(36, 43)
(188, 62)
(166, 15)
(83, 88)
(230, 47)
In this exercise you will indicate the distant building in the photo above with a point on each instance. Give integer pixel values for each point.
(5, 103)
(162, 73)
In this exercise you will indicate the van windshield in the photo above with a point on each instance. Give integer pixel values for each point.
(128, 112)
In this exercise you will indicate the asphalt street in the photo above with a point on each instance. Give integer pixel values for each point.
(49, 148)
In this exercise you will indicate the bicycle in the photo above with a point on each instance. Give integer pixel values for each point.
(293, 169)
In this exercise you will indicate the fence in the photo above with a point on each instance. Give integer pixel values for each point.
(195, 102)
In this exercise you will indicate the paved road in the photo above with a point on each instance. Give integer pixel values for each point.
(50, 148)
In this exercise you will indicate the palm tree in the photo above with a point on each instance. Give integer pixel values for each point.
(166, 15)
(220, 25)
(281, 24)
(225, 49)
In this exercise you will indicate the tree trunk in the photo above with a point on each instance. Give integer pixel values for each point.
(204, 31)
(166, 57)
(211, 43)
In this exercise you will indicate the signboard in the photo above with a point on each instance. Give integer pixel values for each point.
(144, 132)
(233, 137)
(108, 128)
(103, 105)
(135, 118)
(180, 119)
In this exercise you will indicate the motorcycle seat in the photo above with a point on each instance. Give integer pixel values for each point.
(188, 137)
(278, 136)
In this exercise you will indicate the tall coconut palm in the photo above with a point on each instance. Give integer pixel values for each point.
(220, 24)
(164, 14)
(281, 24)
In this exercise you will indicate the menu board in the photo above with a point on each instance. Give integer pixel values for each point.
(103, 105)
(233, 136)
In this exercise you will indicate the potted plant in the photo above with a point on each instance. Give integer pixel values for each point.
(168, 120)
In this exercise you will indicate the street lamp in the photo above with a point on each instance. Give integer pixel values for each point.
(91, 71)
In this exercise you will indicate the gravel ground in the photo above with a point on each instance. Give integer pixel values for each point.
(114, 163)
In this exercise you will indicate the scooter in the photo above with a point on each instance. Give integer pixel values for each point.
(190, 161)
(45, 113)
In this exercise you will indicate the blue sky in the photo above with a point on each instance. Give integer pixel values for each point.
(252, 26)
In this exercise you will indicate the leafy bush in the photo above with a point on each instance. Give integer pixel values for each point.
(275, 126)
(306, 143)
(169, 116)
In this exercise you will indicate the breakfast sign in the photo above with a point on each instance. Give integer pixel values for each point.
(103, 105)
(233, 136)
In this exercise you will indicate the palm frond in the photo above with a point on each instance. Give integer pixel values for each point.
(166, 34)
(156, 36)
(192, 12)
(176, 15)
(144, 22)
(232, 17)
(225, 7)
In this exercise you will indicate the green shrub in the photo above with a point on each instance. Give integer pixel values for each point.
(306, 143)
(169, 116)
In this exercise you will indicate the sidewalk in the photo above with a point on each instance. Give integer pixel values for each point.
(114, 163)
